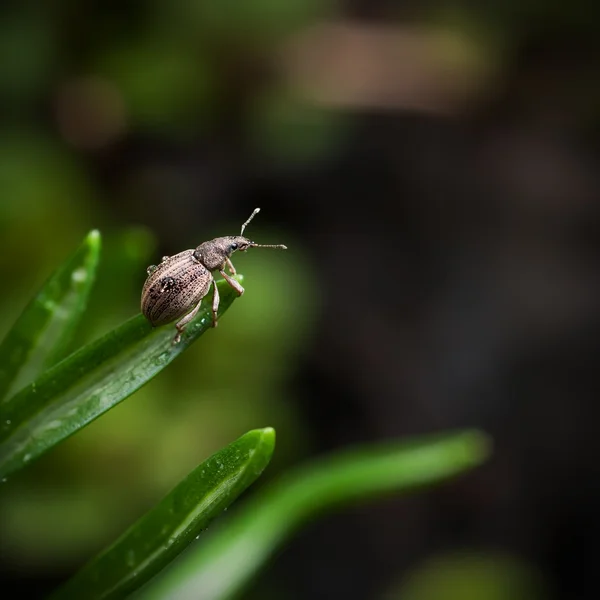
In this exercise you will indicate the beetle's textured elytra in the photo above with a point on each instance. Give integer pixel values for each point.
(175, 288)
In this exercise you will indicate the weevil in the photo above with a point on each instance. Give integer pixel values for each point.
(175, 288)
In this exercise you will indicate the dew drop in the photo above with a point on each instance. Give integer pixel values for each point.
(79, 275)
(151, 269)
(162, 358)
(8, 421)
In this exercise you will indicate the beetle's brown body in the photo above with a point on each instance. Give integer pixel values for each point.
(177, 284)
(175, 288)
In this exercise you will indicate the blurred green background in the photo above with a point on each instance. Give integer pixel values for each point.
(432, 167)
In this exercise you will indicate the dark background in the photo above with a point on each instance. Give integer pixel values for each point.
(433, 167)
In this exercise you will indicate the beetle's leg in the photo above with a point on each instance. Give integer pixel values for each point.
(215, 304)
(230, 265)
(181, 325)
(233, 283)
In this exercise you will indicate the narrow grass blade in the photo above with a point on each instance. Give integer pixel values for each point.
(166, 530)
(220, 567)
(91, 381)
(41, 333)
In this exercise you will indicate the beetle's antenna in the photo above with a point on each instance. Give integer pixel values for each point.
(253, 245)
(256, 210)
(269, 246)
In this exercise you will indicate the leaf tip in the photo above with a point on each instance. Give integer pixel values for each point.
(477, 445)
(267, 438)
(93, 239)
(268, 433)
(264, 442)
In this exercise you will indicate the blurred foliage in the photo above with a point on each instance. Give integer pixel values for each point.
(225, 562)
(471, 576)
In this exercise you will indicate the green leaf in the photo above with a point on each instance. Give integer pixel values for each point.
(125, 255)
(221, 566)
(161, 534)
(91, 381)
(41, 334)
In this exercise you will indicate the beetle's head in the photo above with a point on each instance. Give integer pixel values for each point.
(237, 242)
(213, 254)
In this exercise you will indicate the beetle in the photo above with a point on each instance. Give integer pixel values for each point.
(175, 288)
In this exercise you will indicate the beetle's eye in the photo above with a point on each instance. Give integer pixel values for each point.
(233, 247)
